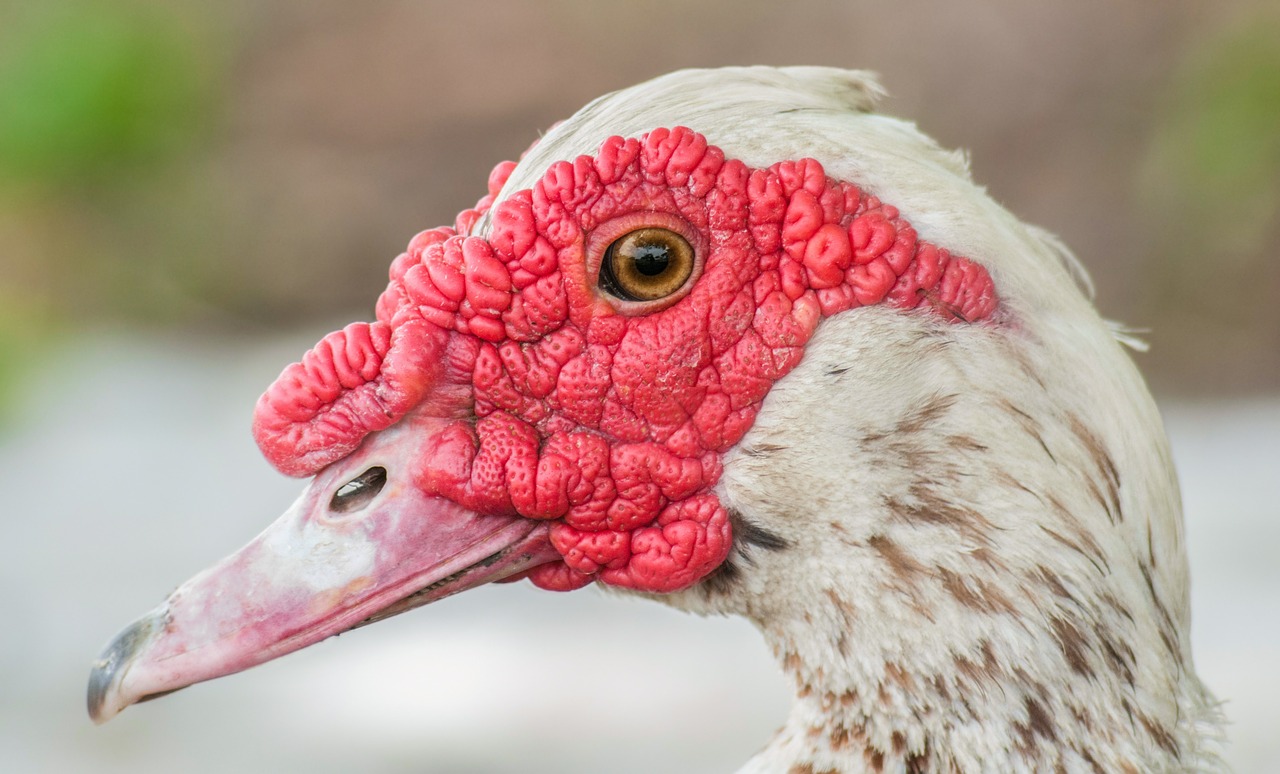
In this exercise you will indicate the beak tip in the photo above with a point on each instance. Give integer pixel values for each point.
(104, 698)
(100, 679)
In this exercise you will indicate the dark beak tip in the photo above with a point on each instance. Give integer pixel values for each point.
(100, 679)
(110, 667)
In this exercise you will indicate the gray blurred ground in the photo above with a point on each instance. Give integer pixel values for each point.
(191, 194)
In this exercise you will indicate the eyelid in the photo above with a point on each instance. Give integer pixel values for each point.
(606, 233)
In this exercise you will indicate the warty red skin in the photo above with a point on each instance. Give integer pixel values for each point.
(605, 417)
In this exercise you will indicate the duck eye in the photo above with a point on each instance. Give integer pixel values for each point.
(359, 491)
(646, 264)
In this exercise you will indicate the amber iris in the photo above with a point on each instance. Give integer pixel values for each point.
(646, 264)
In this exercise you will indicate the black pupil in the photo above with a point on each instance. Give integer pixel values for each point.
(359, 491)
(652, 259)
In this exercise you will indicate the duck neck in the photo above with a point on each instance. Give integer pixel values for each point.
(991, 571)
(920, 661)
(906, 703)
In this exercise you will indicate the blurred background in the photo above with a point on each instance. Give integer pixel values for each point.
(192, 193)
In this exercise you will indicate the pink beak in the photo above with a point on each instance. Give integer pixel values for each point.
(362, 543)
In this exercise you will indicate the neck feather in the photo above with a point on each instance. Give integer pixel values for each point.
(956, 576)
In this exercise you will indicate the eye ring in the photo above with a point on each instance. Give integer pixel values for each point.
(644, 261)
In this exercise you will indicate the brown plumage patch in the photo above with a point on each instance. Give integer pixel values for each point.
(974, 593)
(847, 615)
(1081, 539)
(900, 677)
(1168, 632)
(919, 763)
(965, 443)
(1054, 583)
(1073, 646)
(988, 558)
(1111, 509)
(1006, 480)
(968, 668)
(841, 604)
(1038, 724)
(925, 415)
(807, 768)
(899, 742)
(979, 673)
(989, 661)
(1116, 606)
(842, 534)
(1106, 466)
(1160, 734)
(925, 506)
(1029, 426)
(1118, 654)
(902, 564)
(939, 686)
(842, 738)
(1019, 355)
(1082, 718)
(874, 437)
(762, 449)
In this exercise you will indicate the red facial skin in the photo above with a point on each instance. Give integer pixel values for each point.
(608, 418)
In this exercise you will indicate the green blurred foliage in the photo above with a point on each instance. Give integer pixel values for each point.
(1218, 149)
(91, 89)
(105, 110)
(1211, 185)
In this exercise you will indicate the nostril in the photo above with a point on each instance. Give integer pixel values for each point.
(359, 491)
